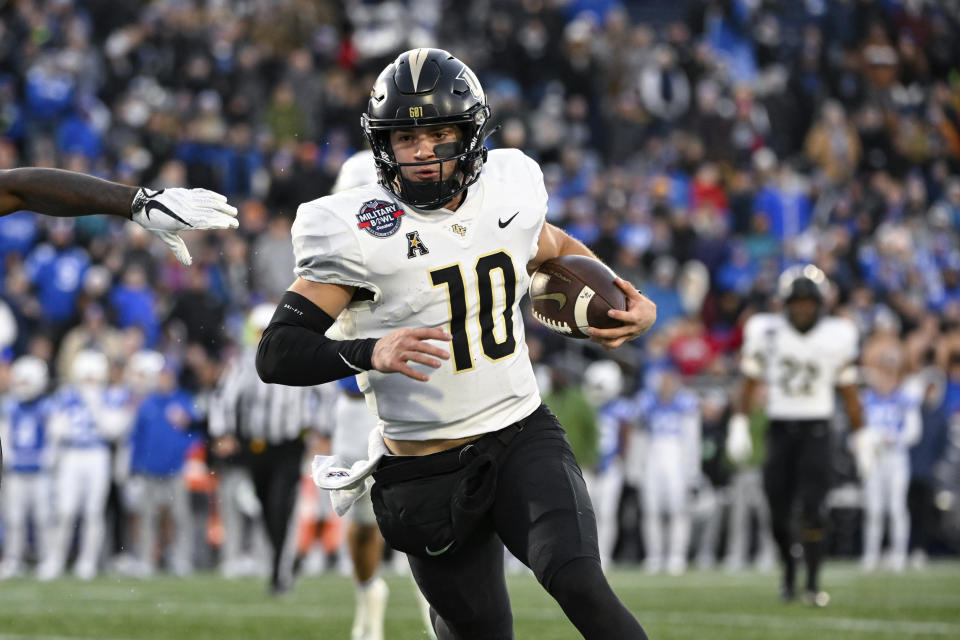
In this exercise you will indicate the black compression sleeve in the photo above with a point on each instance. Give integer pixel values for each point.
(294, 350)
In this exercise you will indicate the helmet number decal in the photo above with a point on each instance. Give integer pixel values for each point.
(416, 112)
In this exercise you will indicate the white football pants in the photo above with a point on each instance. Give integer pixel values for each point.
(665, 493)
(885, 493)
(25, 495)
(82, 485)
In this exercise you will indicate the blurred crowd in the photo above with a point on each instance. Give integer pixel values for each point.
(699, 147)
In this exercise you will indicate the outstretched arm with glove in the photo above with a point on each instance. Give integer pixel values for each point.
(164, 212)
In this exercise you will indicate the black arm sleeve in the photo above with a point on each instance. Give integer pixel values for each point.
(294, 350)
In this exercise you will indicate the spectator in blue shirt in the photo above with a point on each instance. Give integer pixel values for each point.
(786, 204)
(663, 291)
(18, 233)
(134, 304)
(738, 272)
(56, 271)
(49, 91)
(160, 441)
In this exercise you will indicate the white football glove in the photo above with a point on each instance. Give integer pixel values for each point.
(739, 445)
(167, 211)
(866, 447)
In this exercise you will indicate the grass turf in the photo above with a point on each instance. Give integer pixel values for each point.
(710, 605)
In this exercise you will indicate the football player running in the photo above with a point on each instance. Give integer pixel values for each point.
(424, 273)
(801, 357)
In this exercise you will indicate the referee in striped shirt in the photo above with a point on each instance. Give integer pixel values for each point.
(262, 426)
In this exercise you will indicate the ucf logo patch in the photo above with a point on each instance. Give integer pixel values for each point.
(415, 246)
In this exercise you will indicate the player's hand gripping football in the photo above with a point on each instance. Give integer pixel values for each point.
(167, 211)
(393, 351)
(640, 315)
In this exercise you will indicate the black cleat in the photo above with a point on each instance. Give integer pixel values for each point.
(787, 594)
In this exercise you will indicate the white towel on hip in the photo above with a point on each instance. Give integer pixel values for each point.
(348, 484)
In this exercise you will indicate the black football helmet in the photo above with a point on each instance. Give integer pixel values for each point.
(802, 282)
(423, 88)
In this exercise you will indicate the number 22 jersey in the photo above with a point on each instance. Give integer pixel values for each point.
(464, 271)
(801, 370)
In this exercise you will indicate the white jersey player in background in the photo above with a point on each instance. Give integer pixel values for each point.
(353, 423)
(801, 358)
(603, 384)
(26, 449)
(671, 415)
(425, 295)
(83, 466)
(893, 417)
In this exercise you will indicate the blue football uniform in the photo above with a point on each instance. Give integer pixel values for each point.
(80, 426)
(27, 447)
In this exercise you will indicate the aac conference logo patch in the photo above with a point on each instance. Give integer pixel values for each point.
(379, 218)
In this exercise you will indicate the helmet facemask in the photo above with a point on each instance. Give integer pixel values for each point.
(804, 312)
(803, 282)
(468, 152)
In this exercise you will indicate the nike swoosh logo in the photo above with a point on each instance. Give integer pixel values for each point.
(509, 220)
(437, 553)
(559, 298)
(153, 204)
(349, 364)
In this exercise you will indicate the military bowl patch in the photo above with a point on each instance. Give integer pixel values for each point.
(379, 218)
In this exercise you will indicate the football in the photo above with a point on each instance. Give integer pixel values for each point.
(571, 293)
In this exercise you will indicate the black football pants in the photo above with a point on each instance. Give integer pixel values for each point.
(796, 475)
(276, 478)
(543, 515)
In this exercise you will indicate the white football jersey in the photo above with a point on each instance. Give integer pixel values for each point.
(801, 370)
(464, 271)
(357, 170)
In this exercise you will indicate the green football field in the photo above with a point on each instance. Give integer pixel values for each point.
(710, 605)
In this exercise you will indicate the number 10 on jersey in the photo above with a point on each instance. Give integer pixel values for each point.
(452, 277)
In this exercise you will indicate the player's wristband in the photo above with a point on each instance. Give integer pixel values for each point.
(294, 350)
